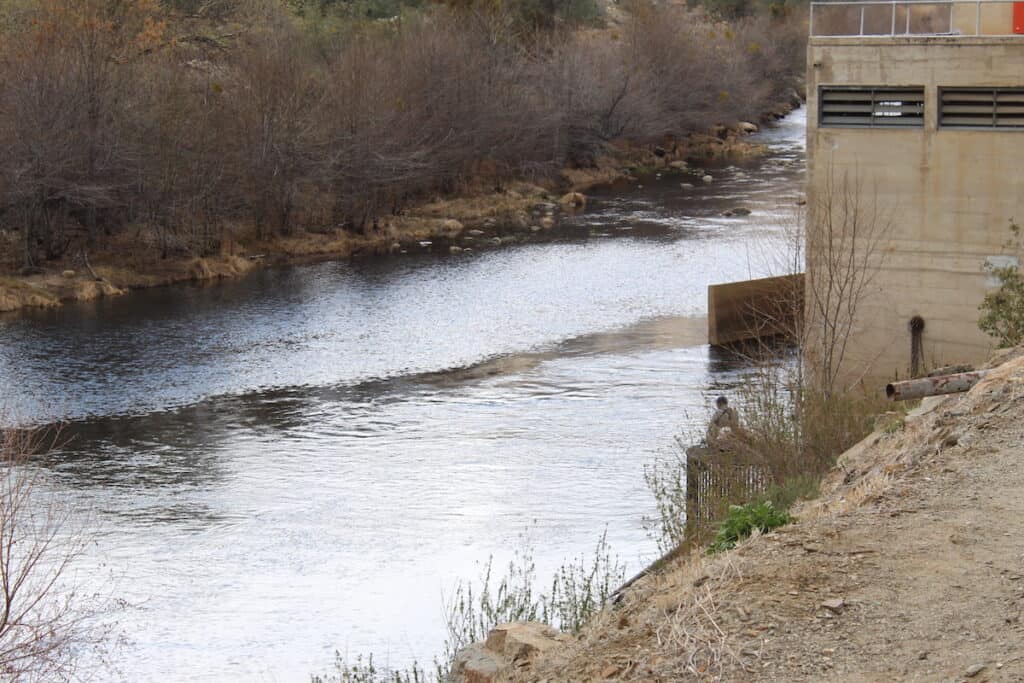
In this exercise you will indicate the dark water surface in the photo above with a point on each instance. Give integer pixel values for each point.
(303, 460)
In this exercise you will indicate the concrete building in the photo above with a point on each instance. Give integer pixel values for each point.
(921, 108)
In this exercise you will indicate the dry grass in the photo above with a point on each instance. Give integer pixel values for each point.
(757, 612)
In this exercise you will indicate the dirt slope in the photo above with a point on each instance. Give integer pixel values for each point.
(917, 548)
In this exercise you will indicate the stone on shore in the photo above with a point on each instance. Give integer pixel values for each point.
(475, 664)
(507, 646)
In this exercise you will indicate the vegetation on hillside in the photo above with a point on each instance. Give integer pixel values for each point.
(1002, 309)
(173, 129)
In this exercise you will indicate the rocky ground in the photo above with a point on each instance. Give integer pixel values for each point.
(909, 567)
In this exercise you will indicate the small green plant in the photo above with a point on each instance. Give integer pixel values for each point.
(800, 487)
(666, 479)
(1002, 310)
(367, 672)
(472, 611)
(743, 519)
(891, 423)
(579, 589)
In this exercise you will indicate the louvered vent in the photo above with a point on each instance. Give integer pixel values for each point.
(872, 107)
(982, 108)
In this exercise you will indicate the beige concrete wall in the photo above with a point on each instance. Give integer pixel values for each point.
(952, 193)
(752, 309)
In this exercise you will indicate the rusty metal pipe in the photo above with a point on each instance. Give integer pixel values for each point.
(933, 386)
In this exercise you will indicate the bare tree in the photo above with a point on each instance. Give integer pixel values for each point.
(45, 625)
(847, 230)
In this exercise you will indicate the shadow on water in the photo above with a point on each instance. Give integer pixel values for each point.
(181, 445)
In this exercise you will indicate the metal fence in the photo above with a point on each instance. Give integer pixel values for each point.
(716, 480)
(863, 18)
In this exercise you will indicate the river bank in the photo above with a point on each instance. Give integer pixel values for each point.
(517, 213)
(903, 569)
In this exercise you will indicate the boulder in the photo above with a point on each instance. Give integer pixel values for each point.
(747, 127)
(476, 664)
(547, 222)
(707, 178)
(68, 273)
(520, 641)
(678, 165)
(508, 647)
(574, 200)
(452, 226)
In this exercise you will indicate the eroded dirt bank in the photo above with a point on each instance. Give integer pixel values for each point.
(909, 567)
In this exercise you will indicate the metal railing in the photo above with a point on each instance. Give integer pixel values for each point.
(878, 18)
(714, 481)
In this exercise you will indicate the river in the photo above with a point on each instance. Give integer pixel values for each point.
(304, 460)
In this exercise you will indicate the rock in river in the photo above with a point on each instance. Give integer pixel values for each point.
(574, 200)
(737, 211)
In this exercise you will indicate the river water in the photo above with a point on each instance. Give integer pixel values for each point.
(306, 459)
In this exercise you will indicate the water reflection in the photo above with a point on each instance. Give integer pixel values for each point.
(302, 460)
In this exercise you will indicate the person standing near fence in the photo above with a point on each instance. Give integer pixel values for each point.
(724, 422)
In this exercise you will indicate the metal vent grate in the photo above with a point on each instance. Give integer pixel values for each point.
(866, 107)
(981, 108)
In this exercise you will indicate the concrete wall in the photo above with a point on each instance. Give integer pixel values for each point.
(752, 309)
(952, 193)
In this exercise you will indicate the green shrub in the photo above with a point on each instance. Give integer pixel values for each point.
(800, 487)
(743, 519)
(1002, 310)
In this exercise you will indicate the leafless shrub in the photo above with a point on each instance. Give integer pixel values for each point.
(46, 626)
(124, 116)
(68, 162)
(847, 231)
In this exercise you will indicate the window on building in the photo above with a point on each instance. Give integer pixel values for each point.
(869, 107)
(981, 108)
